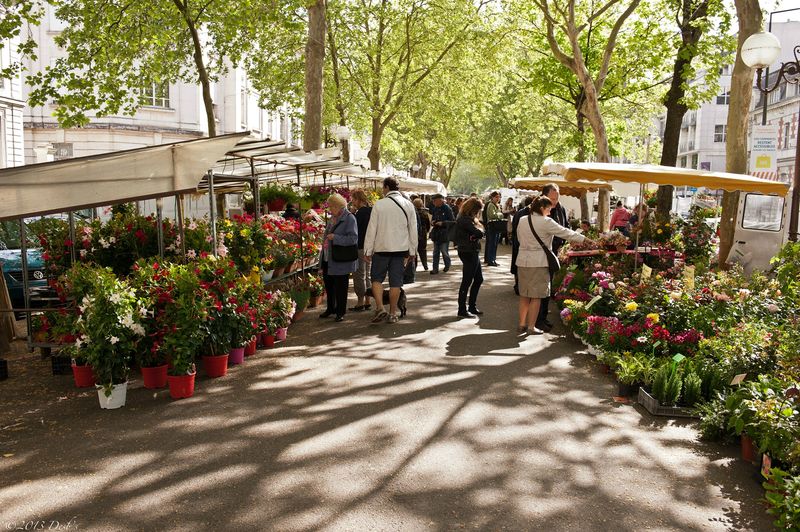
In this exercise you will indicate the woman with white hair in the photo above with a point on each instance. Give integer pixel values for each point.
(339, 255)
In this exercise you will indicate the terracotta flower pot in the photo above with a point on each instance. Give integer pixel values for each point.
(278, 271)
(181, 386)
(155, 377)
(749, 450)
(215, 366)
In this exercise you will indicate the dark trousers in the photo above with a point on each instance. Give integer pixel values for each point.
(336, 286)
(471, 279)
(492, 239)
(422, 251)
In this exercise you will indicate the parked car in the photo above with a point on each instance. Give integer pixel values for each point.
(11, 260)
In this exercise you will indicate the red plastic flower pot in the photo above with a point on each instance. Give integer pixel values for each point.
(236, 356)
(181, 386)
(250, 349)
(749, 450)
(268, 340)
(84, 376)
(215, 366)
(155, 377)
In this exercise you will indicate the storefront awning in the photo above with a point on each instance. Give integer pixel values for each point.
(664, 175)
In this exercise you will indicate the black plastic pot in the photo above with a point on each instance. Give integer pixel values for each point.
(3, 369)
(61, 364)
(625, 389)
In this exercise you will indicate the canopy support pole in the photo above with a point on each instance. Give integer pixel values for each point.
(212, 204)
(71, 218)
(160, 228)
(636, 249)
(181, 229)
(256, 186)
(23, 247)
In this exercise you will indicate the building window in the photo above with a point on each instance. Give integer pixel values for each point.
(243, 106)
(786, 129)
(782, 90)
(63, 150)
(724, 98)
(720, 133)
(683, 162)
(155, 95)
(725, 71)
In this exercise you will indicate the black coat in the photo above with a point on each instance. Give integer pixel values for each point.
(467, 235)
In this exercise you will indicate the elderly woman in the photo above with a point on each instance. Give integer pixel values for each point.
(339, 255)
(532, 269)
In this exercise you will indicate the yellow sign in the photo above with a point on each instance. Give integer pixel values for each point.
(647, 271)
(764, 161)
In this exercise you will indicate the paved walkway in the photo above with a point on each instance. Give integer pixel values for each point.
(431, 424)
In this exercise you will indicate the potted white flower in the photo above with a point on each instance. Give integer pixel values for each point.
(108, 329)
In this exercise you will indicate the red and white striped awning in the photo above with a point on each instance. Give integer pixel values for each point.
(771, 176)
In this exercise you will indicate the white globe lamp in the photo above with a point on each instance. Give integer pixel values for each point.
(760, 50)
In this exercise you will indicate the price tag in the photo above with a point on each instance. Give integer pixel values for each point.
(766, 464)
(647, 271)
(688, 277)
(594, 300)
(738, 379)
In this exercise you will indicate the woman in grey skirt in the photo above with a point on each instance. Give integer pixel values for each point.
(532, 271)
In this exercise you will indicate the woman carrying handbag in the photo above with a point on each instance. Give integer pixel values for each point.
(536, 262)
(339, 256)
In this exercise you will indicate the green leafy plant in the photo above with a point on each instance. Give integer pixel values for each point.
(783, 497)
(692, 389)
(715, 419)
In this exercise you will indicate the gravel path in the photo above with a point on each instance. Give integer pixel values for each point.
(430, 424)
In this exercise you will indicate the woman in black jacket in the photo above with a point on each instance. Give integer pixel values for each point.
(467, 239)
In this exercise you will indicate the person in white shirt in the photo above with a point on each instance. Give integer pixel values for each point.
(390, 243)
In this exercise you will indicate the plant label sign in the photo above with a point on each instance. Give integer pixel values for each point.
(738, 379)
(594, 300)
(647, 271)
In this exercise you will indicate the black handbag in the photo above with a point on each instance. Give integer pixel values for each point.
(343, 253)
(553, 264)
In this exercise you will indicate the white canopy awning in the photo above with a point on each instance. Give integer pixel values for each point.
(421, 186)
(110, 178)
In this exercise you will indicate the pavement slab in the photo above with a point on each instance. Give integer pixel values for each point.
(433, 423)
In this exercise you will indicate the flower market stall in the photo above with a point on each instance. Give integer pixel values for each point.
(133, 290)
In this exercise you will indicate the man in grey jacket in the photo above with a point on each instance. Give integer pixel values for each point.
(390, 243)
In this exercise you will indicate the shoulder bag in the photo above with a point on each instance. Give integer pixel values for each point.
(553, 265)
(343, 253)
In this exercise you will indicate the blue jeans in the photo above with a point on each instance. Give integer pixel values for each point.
(442, 248)
(492, 239)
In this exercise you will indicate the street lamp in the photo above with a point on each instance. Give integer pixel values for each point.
(342, 134)
(759, 51)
